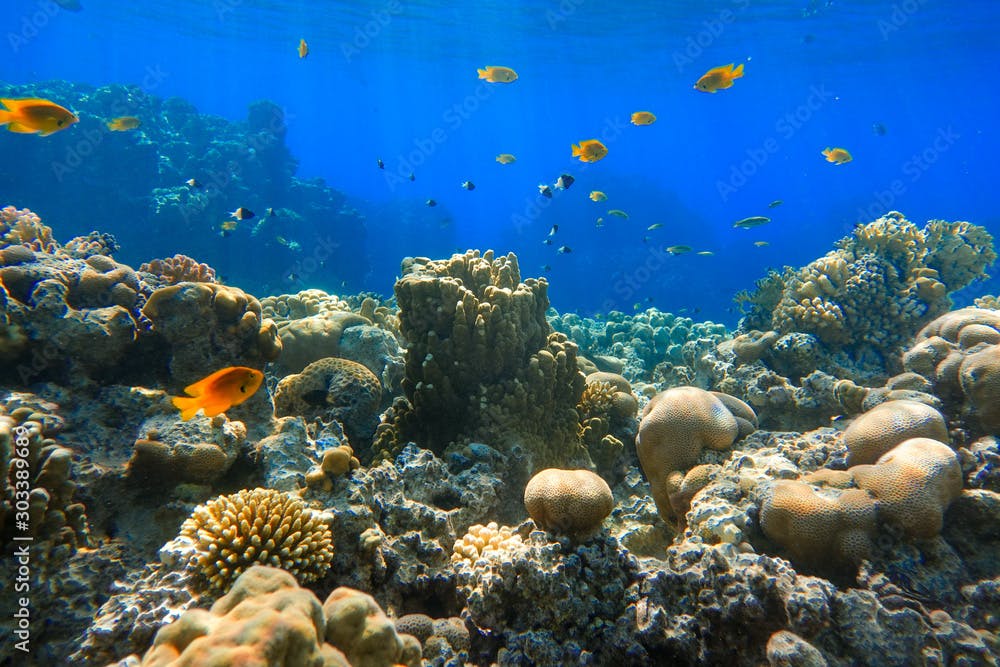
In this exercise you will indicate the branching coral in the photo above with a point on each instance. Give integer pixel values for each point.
(23, 227)
(179, 269)
(259, 526)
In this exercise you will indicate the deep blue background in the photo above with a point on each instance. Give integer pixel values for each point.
(397, 80)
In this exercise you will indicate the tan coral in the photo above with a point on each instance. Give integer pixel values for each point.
(752, 345)
(568, 502)
(485, 541)
(886, 425)
(356, 625)
(819, 526)
(257, 527)
(914, 484)
(178, 269)
(979, 374)
(24, 227)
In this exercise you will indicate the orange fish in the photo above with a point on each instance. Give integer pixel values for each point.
(589, 150)
(643, 118)
(837, 155)
(123, 124)
(719, 78)
(218, 392)
(32, 115)
(303, 48)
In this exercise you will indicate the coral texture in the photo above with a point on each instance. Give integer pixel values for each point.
(568, 502)
(179, 269)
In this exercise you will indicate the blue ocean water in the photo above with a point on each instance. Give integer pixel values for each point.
(906, 87)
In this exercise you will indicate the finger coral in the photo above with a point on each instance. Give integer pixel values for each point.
(257, 527)
(24, 227)
(179, 269)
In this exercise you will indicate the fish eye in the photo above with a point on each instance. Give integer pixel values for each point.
(59, 122)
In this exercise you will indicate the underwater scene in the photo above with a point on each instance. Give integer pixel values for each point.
(552, 332)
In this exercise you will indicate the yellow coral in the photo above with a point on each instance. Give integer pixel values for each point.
(259, 526)
(489, 542)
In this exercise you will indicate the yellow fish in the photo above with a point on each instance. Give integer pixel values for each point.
(303, 48)
(597, 195)
(228, 225)
(123, 124)
(505, 158)
(837, 155)
(218, 392)
(620, 213)
(719, 78)
(33, 115)
(643, 118)
(495, 74)
(589, 150)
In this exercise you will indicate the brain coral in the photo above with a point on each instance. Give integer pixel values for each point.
(914, 483)
(676, 425)
(886, 425)
(568, 502)
(332, 389)
(819, 525)
(481, 363)
(257, 527)
(879, 286)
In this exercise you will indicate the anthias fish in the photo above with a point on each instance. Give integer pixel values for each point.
(719, 78)
(35, 116)
(218, 392)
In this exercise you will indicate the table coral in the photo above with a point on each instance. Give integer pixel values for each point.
(231, 533)
(179, 269)
(568, 502)
(481, 363)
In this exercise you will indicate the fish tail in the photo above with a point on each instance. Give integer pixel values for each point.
(577, 151)
(738, 71)
(188, 406)
(483, 74)
(5, 116)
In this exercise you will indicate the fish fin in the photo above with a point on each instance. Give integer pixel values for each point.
(10, 104)
(577, 151)
(738, 72)
(14, 126)
(483, 74)
(216, 407)
(188, 406)
(5, 116)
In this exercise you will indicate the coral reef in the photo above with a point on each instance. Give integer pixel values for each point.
(886, 425)
(568, 502)
(261, 526)
(179, 269)
(24, 227)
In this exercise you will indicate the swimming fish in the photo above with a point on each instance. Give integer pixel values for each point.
(413, 176)
(589, 150)
(655, 225)
(193, 182)
(678, 249)
(242, 214)
(431, 202)
(597, 195)
(599, 222)
(719, 78)
(555, 228)
(228, 226)
(33, 115)
(269, 212)
(879, 129)
(837, 155)
(643, 118)
(546, 268)
(620, 213)
(381, 165)
(123, 123)
(564, 181)
(761, 244)
(564, 249)
(705, 253)
(303, 48)
(505, 158)
(545, 190)
(776, 202)
(752, 221)
(547, 241)
(495, 74)
(469, 185)
(218, 392)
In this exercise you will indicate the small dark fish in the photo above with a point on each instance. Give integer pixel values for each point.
(431, 202)
(469, 185)
(193, 183)
(292, 277)
(555, 228)
(381, 165)
(547, 241)
(879, 129)
(546, 268)
(413, 176)
(545, 191)
(270, 211)
(564, 249)
(242, 213)
(776, 202)
(564, 181)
